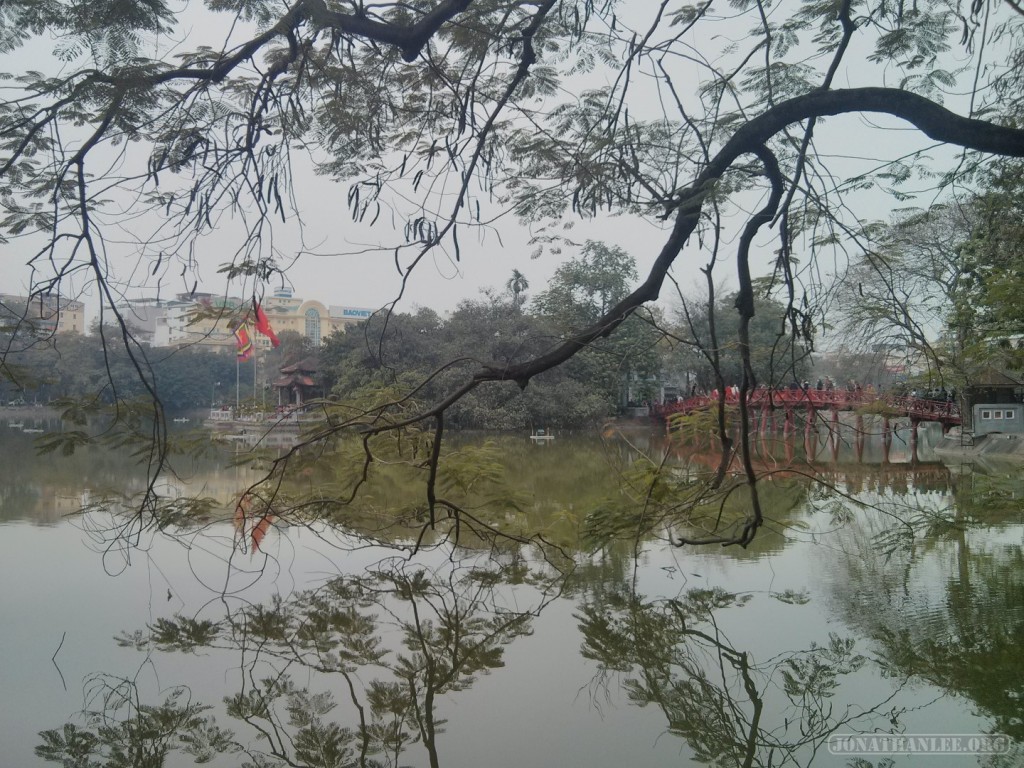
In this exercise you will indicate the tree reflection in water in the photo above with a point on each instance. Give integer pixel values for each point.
(360, 671)
(415, 634)
(731, 708)
(398, 638)
(938, 584)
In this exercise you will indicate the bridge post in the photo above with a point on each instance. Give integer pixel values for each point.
(914, 423)
(834, 432)
(886, 439)
(810, 442)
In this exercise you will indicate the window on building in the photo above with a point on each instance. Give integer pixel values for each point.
(1010, 414)
(986, 414)
(313, 326)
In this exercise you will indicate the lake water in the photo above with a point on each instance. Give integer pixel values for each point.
(891, 603)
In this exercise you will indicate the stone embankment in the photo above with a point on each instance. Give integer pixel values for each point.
(994, 446)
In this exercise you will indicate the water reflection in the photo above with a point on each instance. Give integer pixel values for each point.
(939, 587)
(889, 597)
(733, 706)
(363, 671)
(379, 651)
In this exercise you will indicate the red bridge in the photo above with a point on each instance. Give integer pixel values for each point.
(917, 409)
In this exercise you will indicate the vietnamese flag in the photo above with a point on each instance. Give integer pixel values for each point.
(262, 324)
(244, 343)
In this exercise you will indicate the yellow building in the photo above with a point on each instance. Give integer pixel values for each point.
(44, 314)
(306, 317)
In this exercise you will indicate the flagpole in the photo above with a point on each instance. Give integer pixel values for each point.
(263, 327)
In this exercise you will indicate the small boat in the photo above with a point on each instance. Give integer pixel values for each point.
(181, 420)
(33, 431)
(541, 436)
(16, 425)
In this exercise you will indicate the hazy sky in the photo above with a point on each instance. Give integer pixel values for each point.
(338, 261)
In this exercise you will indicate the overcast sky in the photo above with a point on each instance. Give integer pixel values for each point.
(338, 261)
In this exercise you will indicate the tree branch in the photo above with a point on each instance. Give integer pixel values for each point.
(933, 120)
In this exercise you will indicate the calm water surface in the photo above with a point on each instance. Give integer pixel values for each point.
(317, 648)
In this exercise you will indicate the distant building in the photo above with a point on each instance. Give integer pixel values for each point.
(207, 320)
(44, 314)
(142, 317)
(308, 318)
(202, 319)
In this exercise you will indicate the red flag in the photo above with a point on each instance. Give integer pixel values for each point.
(244, 344)
(263, 324)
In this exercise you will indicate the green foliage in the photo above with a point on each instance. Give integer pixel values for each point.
(966, 645)
(66, 442)
(583, 290)
(424, 354)
(816, 675)
(942, 285)
(143, 738)
(80, 372)
(651, 494)
(183, 633)
(994, 254)
(779, 344)
(677, 499)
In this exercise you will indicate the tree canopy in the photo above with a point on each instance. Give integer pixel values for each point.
(942, 284)
(746, 134)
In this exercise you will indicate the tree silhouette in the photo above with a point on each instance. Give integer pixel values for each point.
(443, 116)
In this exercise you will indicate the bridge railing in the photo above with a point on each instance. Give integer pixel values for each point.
(822, 399)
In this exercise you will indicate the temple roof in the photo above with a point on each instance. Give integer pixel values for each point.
(306, 365)
(295, 378)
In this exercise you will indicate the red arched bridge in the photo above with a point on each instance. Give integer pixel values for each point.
(917, 409)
